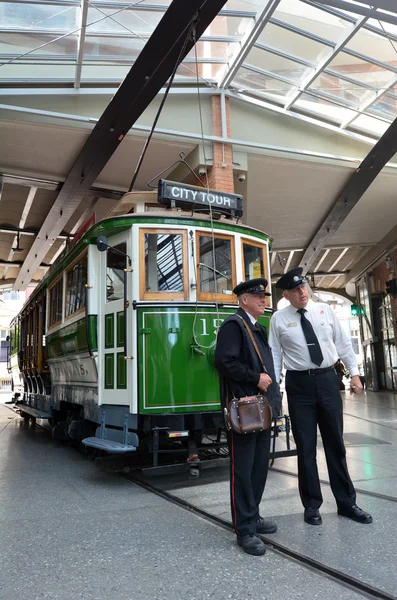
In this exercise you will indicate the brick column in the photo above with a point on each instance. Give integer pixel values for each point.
(220, 175)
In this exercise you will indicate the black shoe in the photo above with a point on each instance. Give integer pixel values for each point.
(312, 516)
(355, 513)
(265, 526)
(251, 544)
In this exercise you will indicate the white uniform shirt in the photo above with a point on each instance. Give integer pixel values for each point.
(288, 342)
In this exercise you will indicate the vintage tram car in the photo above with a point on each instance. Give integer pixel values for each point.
(115, 346)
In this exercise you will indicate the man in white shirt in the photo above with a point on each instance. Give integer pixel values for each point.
(308, 337)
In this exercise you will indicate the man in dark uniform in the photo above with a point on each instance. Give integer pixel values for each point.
(308, 337)
(242, 374)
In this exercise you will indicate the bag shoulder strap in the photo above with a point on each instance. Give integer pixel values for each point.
(254, 342)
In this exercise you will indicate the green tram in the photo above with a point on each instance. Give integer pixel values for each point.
(115, 346)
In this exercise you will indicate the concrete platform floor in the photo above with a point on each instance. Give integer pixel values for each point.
(71, 530)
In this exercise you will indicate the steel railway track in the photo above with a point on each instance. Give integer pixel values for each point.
(365, 589)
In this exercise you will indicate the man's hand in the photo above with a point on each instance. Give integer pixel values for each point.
(264, 382)
(355, 385)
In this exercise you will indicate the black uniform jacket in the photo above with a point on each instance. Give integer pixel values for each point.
(238, 363)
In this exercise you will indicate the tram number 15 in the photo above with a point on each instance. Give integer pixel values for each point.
(216, 323)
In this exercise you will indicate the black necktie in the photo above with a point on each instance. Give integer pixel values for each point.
(312, 342)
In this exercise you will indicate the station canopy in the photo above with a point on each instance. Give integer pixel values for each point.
(333, 61)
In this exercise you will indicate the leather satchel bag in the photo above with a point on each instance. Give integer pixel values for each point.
(251, 413)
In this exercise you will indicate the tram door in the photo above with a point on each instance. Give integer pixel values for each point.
(116, 342)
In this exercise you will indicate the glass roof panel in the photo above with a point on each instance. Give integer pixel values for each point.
(28, 72)
(278, 65)
(207, 71)
(330, 111)
(14, 15)
(137, 21)
(313, 20)
(111, 72)
(18, 43)
(100, 46)
(369, 124)
(262, 84)
(380, 47)
(208, 50)
(361, 71)
(346, 92)
(383, 26)
(292, 43)
(225, 25)
(386, 107)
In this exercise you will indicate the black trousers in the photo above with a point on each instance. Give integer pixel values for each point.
(316, 400)
(249, 464)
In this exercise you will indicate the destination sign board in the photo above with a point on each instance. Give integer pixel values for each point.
(171, 194)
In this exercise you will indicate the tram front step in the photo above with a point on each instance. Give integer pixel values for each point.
(108, 445)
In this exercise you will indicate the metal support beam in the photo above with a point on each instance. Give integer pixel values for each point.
(289, 259)
(80, 43)
(341, 255)
(322, 259)
(22, 221)
(171, 41)
(324, 64)
(248, 42)
(358, 184)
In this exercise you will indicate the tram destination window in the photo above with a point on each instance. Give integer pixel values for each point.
(254, 263)
(164, 268)
(216, 267)
(76, 279)
(55, 303)
(115, 265)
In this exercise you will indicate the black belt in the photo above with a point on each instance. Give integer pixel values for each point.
(313, 371)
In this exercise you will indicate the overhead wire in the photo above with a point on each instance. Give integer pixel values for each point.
(159, 111)
(214, 270)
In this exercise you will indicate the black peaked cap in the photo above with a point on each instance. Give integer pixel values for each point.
(252, 286)
(291, 279)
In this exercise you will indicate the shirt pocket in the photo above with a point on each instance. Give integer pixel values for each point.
(324, 331)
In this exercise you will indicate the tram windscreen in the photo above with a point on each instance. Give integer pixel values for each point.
(163, 262)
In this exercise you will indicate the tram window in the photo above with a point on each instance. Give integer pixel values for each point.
(254, 260)
(164, 256)
(76, 279)
(216, 273)
(116, 263)
(55, 303)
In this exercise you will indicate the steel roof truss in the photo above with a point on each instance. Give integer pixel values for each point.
(166, 47)
(358, 184)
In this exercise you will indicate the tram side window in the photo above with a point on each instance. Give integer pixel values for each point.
(216, 266)
(55, 303)
(76, 279)
(115, 265)
(165, 269)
